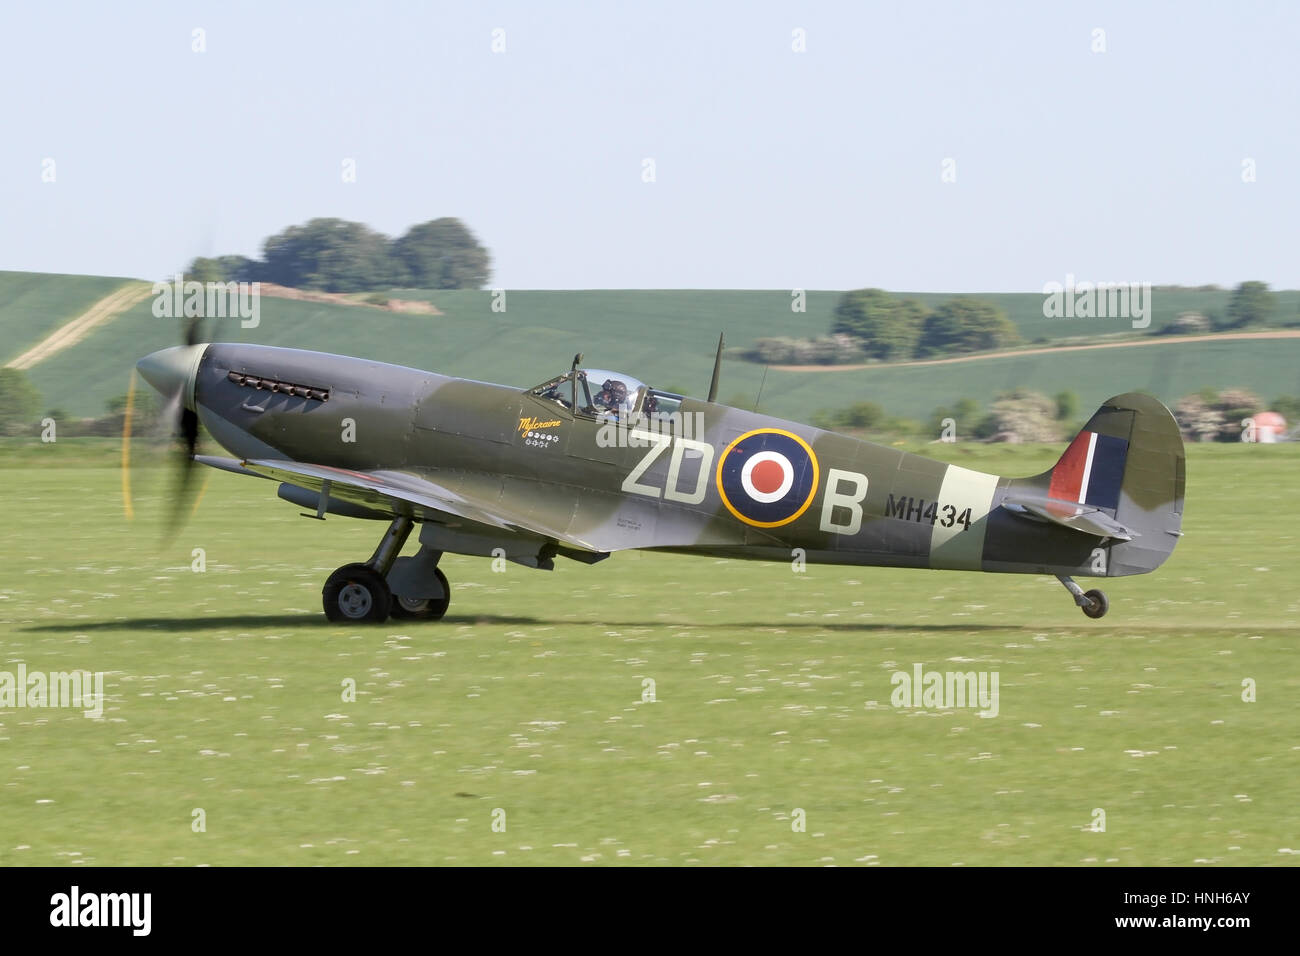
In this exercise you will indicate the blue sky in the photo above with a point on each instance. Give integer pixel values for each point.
(773, 169)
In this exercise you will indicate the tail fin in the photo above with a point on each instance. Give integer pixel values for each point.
(1127, 463)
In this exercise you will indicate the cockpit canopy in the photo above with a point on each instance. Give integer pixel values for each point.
(598, 392)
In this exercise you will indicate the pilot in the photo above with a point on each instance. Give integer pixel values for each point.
(611, 396)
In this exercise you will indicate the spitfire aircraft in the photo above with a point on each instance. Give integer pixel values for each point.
(591, 462)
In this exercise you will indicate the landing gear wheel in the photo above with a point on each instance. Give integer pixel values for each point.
(424, 609)
(357, 593)
(1097, 606)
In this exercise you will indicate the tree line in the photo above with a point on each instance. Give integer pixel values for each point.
(335, 255)
(1252, 306)
(872, 324)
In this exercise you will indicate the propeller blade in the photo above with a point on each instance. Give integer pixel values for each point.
(181, 504)
(193, 330)
(171, 372)
(185, 425)
(189, 429)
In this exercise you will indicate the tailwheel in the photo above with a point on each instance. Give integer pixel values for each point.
(1093, 603)
(424, 609)
(1097, 605)
(357, 593)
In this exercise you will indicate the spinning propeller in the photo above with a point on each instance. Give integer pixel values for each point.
(171, 372)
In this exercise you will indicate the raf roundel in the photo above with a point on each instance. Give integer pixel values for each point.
(767, 477)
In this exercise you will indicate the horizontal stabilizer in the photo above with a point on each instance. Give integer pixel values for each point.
(1076, 517)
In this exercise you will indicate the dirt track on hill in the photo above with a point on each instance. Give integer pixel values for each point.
(1011, 353)
(70, 333)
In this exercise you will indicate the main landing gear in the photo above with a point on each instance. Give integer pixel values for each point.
(359, 593)
(1093, 603)
(423, 609)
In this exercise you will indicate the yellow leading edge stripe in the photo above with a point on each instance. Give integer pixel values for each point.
(202, 491)
(127, 507)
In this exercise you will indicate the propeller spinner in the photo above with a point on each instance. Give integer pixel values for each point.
(171, 372)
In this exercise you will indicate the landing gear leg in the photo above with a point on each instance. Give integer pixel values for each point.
(1093, 603)
(358, 592)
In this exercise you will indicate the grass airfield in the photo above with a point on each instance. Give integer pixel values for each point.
(224, 693)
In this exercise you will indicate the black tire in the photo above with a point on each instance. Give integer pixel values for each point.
(356, 594)
(423, 609)
(1098, 606)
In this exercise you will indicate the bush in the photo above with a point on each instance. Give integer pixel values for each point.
(822, 350)
(1251, 304)
(1187, 323)
(862, 415)
(883, 327)
(965, 414)
(1023, 415)
(965, 324)
(1216, 416)
(19, 400)
(1067, 406)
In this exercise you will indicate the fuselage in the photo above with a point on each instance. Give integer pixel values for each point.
(706, 479)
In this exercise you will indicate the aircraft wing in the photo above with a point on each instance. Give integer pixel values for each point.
(395, 492)
(1076, 517)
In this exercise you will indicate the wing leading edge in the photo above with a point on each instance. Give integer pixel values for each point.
(396, 493)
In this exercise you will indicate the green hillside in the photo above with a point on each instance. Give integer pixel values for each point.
(1169, 370)
(1025, 309)
(667, 338)
(34, 304)
(664, 337)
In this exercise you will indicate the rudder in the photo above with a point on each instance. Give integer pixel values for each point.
(1128, 461)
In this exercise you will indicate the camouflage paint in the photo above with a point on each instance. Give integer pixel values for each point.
(481, 461)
